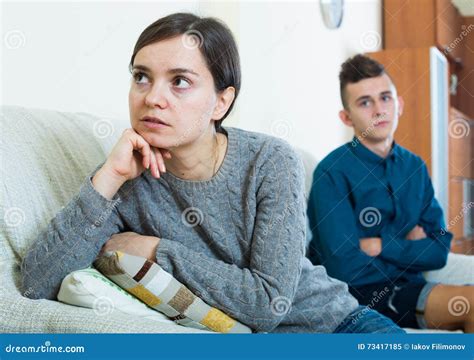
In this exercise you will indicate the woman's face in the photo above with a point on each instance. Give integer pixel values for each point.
(171, 82)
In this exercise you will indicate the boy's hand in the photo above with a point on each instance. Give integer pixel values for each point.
(417, 233)
(371, 246)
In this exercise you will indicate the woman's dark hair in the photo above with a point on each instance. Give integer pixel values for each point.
(214, 39)
(355, 69)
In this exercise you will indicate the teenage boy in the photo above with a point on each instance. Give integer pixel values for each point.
(375, 221)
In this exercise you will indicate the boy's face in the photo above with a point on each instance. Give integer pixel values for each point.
(373, 108)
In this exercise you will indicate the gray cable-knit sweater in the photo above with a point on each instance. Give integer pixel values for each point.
(236, 240)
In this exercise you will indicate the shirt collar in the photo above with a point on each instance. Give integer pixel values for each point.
(362, 152)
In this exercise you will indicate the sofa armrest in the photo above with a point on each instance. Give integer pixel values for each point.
(459, 270)
(19, 314)
(22, 315)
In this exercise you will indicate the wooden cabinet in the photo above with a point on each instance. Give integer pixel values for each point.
(461, 181)
(464, 98)
(461, 149)
(448, 29)
(422, 23)
(438, 118)
(460, 215)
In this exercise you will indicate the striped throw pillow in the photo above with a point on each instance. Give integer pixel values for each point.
(161, 291)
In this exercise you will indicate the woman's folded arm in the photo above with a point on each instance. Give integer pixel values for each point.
(71, 241)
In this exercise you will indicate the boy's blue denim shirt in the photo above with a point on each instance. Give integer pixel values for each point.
(357, 194)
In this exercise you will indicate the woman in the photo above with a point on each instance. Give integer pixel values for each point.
(222, 209)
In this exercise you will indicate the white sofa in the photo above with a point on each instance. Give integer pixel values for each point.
(45, 156)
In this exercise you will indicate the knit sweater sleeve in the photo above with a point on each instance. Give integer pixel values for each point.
(70, 242)
(259, 295)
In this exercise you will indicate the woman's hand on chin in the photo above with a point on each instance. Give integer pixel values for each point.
(133, 244)
(131, 155)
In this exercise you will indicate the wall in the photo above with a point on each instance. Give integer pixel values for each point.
(74, 57)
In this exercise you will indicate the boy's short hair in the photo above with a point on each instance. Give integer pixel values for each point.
(355, 69)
